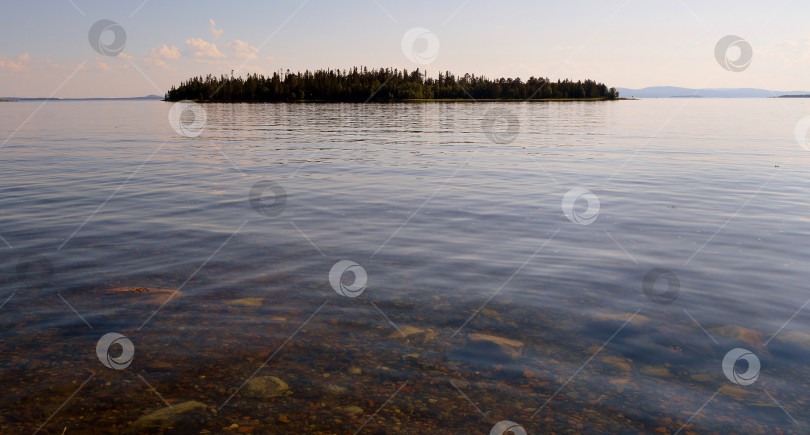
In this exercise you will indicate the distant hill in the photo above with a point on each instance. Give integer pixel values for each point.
(676, 92)
(148, 97)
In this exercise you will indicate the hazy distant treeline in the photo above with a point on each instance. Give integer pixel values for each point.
(362, 84)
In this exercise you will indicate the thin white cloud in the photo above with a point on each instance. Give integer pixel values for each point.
(242, 50)
(790, 53)
(216, 33)
(19, 63)
(158, 56)
(165, 52)
(204, 50)
(53, 65)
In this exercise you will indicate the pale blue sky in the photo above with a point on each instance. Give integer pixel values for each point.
(624, 43)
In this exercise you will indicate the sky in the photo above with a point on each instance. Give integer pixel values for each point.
(46, 49)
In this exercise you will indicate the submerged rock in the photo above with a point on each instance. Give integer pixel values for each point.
(181, 416)
(736, 392)
(794, 338)
(406, 331)
(264, 387)
(657, 371)
(351, 410)
(152, 295)
(617, 363)
(791, 345)
(336, 390)
(512, 348)
(617, 380)
(739, 333)
(247, 302)
(702, 378)
(637, 320)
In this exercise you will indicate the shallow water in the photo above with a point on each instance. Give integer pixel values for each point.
(458, 235)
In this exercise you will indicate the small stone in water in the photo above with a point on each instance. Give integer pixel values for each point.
(701, 378)
(352, 410)
(182, 413)
(406, 331)
(247, 302)
(264, 387)
(336, 390)
(661, 372)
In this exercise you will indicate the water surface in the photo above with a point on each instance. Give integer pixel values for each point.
(458, 235)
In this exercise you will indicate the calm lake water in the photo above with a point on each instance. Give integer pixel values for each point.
(458, 235)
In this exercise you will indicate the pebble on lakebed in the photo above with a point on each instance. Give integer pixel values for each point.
(156, 295)
(741, 334)
(264, 387)
(632, 319)
(405, 331)
(351, 410)
(186, 414)
(336, 390)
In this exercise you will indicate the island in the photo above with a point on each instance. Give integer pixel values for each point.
(360, 84)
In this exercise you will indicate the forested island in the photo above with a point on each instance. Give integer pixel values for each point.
(381, 85)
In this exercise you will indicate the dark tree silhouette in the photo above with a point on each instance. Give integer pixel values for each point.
(362, 84)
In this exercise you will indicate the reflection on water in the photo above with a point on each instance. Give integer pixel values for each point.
(588, 276)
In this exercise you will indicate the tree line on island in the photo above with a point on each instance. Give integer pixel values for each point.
(380, 85)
